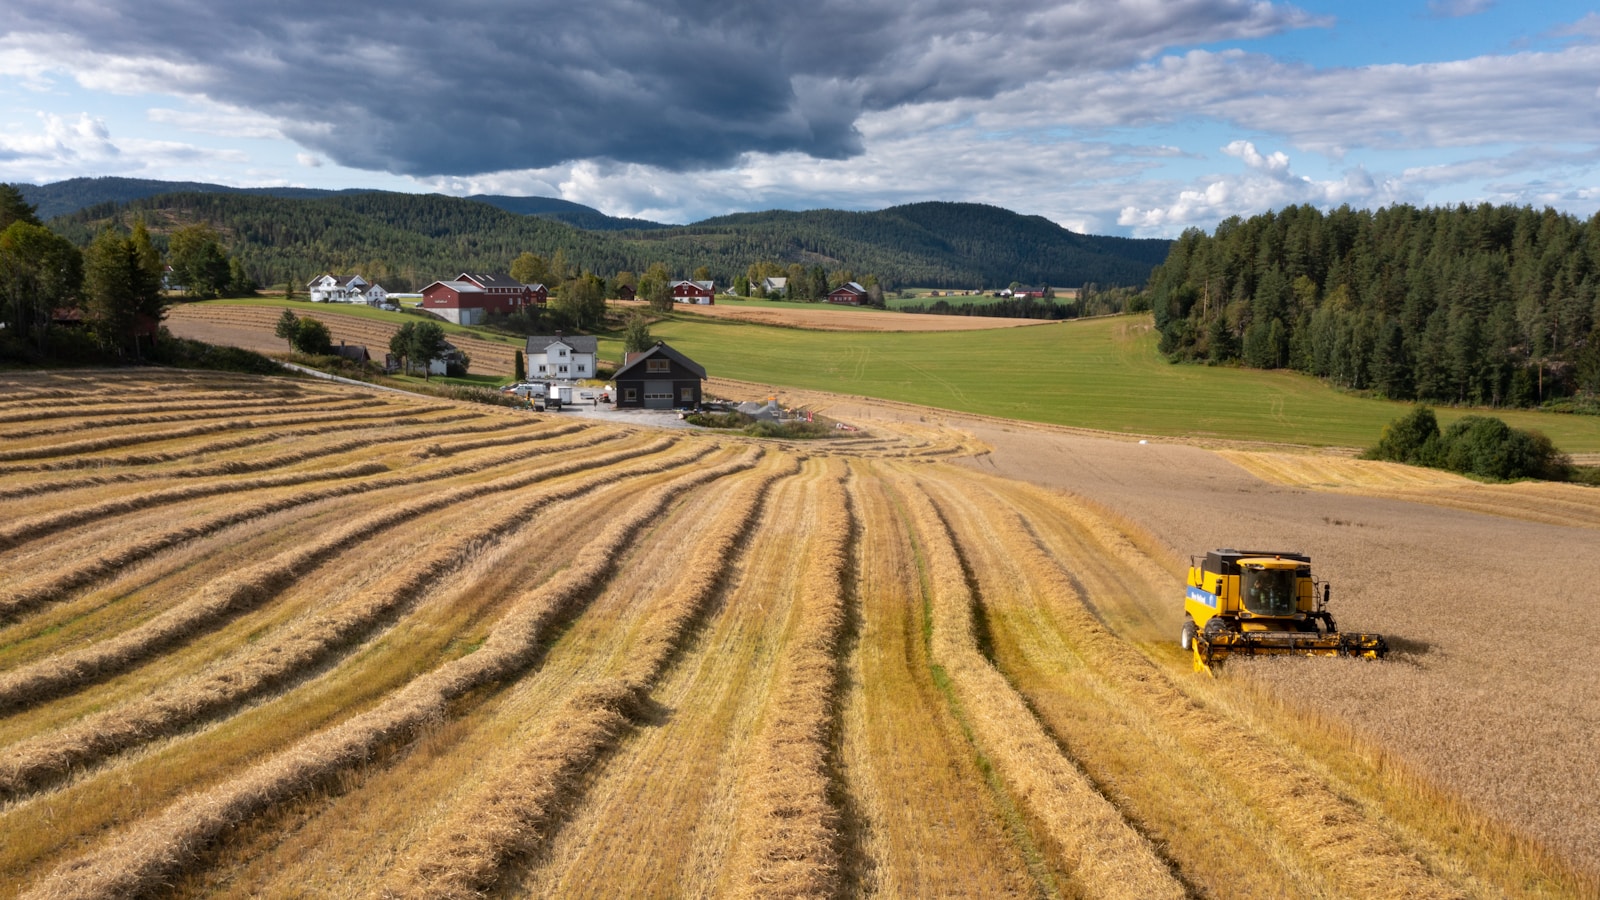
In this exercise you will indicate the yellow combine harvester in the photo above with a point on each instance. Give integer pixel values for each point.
(1255, 603)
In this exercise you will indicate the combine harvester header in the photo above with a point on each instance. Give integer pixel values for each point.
(1252, 603)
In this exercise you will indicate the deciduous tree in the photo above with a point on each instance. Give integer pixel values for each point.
(636, 337)
(312, 337)
(198, 260)
(119, 291)
(656, 287)
(530, 268)
(426, 344)
(400, 345)
(288, 327)
(40, 272)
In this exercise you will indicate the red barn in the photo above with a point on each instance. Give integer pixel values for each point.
(700, 293)
(848, 293)
(467, 299)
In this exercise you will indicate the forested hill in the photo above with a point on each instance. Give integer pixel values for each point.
(1492, 305)
(67, 197)
(408, 240)
(575, 214)
(947, 244)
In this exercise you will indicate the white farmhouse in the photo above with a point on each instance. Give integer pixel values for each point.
(375, 295)
(561, 357)
(338, 289)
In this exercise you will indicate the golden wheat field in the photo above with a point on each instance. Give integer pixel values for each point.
(261, 637)
(251, 327)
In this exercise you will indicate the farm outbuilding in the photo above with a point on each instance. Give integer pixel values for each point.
(699, 293)
(658, 378)
(849, 293)
(469, 298)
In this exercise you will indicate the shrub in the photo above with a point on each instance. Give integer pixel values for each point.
(1474, 445)
(1488, 447)
(311, 336)
(1413, 438)
(733, 419)
(791, 430)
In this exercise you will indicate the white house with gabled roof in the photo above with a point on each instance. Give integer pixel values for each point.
(332, 288)
(562, 356)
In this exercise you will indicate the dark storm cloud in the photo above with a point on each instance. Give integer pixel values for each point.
(477, 86)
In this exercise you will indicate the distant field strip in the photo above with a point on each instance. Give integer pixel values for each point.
(488, 357)
(1536, 501)
(424, 649)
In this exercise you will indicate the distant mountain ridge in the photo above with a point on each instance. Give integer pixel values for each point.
(66, 197)
(408, 240)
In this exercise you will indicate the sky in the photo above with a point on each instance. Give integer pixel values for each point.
(1123, 117)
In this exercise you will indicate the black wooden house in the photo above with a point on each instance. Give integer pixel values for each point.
(659, 378)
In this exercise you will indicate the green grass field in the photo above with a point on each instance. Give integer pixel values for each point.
(1099, 373)
(927, 299)
(1095, 373)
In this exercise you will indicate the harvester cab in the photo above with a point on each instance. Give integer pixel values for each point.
(1255, 603)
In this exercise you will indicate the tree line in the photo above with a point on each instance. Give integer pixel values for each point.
(1090, 301)
(1483, 305)
(115, 287)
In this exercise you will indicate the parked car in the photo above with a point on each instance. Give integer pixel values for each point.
(527, 389)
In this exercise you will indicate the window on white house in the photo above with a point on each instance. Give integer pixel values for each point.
(563, 370)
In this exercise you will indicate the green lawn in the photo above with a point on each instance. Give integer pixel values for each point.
(1099, 373)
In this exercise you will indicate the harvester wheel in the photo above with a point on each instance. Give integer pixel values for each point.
(1186, 641)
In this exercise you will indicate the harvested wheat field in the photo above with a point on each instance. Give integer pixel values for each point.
(261, 638)
(250, 327)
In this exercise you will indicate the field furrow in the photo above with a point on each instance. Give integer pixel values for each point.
(927, 823)
(435, 426)
(32, 528)
(672, 790)
(330, 421)
(234, 593)
(85, 567)
(449, 618)
(1082, 833)
(516, 806)
(127, 418)
(38, 762)
(788, 832)
(153, 852)
(191, 450)
(507, 431)
(403, 807)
